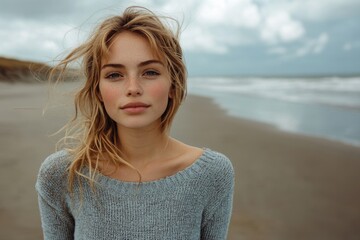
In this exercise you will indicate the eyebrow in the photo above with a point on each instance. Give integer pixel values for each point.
(142, 64)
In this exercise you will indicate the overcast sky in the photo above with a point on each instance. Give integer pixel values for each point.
(219, 37)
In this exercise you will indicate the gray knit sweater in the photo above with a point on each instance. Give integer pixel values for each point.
(194, 203)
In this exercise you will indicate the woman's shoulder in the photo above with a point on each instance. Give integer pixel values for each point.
(217, 174)
(53, 170)
(220, 174)
(55, 163)
(217, 163)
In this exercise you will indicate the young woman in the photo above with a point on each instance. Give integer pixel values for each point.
(124, 177)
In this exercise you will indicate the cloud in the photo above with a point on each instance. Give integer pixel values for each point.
(34, 40)
(280, 27)
(35, 9)
(199, 40)
(236, 13)
(210, 26)
(309, 47)
(216, 26)
(313, 46)
(322, 10)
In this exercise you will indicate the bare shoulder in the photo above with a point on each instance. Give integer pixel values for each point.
(186, 152)
(192, 152)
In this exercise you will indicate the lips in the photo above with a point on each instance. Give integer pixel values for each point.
(135, 108)
(135, 105)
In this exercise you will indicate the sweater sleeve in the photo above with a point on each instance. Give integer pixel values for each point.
(217, 214)
(56, 220)
(56, 223)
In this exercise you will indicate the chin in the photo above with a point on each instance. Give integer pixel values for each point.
(139, 124)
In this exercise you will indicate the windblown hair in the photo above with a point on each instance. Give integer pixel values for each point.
(91, 132)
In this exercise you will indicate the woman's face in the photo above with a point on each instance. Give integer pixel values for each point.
(134, 84)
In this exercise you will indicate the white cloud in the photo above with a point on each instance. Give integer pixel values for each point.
(210, 25)
(35, 40)
(213, 26)
(237, 13)
(199, 40)
(309, 47)
(321, 42)
(229, 23)
(313, 46)
(280, 27)
(218, 25)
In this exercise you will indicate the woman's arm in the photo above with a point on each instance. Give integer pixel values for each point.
(217, 214)
(56, 222)
(56, 218)
(216, 224)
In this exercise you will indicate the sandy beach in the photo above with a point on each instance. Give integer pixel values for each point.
(287, 186)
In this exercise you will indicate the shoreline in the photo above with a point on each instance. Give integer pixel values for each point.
(326, 108)
(288, 186)
(279, 128)
(258, 123)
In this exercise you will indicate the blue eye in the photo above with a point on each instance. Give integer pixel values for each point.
(114, 75)
(151, 73)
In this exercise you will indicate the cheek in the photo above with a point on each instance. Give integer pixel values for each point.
(159, 91)
(108, 94)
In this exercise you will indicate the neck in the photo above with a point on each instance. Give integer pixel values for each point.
(140, 146)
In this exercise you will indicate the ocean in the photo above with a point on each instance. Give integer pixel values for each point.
(326, 107)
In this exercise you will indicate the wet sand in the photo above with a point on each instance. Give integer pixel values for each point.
(287, 186)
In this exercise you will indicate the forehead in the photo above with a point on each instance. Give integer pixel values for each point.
(131, 47)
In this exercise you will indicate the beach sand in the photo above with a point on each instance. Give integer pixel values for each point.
(287, 186)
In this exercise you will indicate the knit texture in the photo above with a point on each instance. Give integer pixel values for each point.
(194, 203)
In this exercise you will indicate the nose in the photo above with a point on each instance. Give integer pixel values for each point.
(134, 88)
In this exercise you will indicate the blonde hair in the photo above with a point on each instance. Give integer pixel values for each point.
(91, 132)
